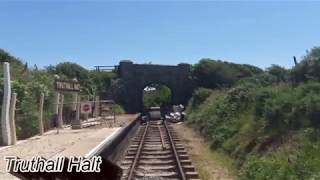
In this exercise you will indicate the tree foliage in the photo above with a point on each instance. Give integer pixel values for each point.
(156, 95)
(268, 122)
(29, 83)
(309, 68)
(248, 120)
(70, 70)
(214, 74)
(93, 82)
(16, 65)
(279, 72)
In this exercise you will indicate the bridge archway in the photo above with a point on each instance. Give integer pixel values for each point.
(156, 94)
(133, 78)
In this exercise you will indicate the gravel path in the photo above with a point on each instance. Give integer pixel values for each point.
(201, 155)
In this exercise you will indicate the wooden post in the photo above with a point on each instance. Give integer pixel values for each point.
(5, 119)
(78, 108)
(114, 113)
(60, 121)
(295, 60)
(76, 124)
(96, 107)
(57, 98)
(74, 103)
(56, 107)
(74, 109)
(40, 123)
(12, 118)
(86, 116)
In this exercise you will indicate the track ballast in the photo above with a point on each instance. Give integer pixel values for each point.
(156, 153)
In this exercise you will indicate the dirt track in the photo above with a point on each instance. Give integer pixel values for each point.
(201, 155)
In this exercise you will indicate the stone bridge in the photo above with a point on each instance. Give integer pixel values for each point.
(133, 78)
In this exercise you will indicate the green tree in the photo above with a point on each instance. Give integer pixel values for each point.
(214, 74)
(16, 65)
(101, 80)
(279, 72)
(156, 95)
(70, 70)
(308, 68)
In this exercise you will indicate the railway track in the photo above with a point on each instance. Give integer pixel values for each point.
(156, 153)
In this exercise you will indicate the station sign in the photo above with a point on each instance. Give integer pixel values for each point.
(67, 85)
(86, 107)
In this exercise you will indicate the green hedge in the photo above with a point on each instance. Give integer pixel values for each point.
(248, 120)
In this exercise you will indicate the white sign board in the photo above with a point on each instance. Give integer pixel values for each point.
(86, 107)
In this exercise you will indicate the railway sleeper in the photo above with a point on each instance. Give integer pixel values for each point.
(157, 162)
(171, 167)
(159, 152)
(166, 157)
(158, 174)
(192, 175)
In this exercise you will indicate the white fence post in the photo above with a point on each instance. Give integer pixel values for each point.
(5, 116)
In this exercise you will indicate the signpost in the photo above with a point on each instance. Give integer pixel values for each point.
(68, 86)
(86, 107)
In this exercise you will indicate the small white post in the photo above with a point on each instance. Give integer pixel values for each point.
(5, 117)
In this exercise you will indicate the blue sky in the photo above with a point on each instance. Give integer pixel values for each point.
(103, 32)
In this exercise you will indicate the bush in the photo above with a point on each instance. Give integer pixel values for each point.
(118, 109)
(301, 163)
(281, 74)
(249, 120)
(309, 68)
(215, 74)
(258, 81)
(199, 96)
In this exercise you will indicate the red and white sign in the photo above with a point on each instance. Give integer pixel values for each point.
(86, 107)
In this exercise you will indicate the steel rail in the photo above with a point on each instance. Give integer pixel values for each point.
(176, 156)
(136, 158)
